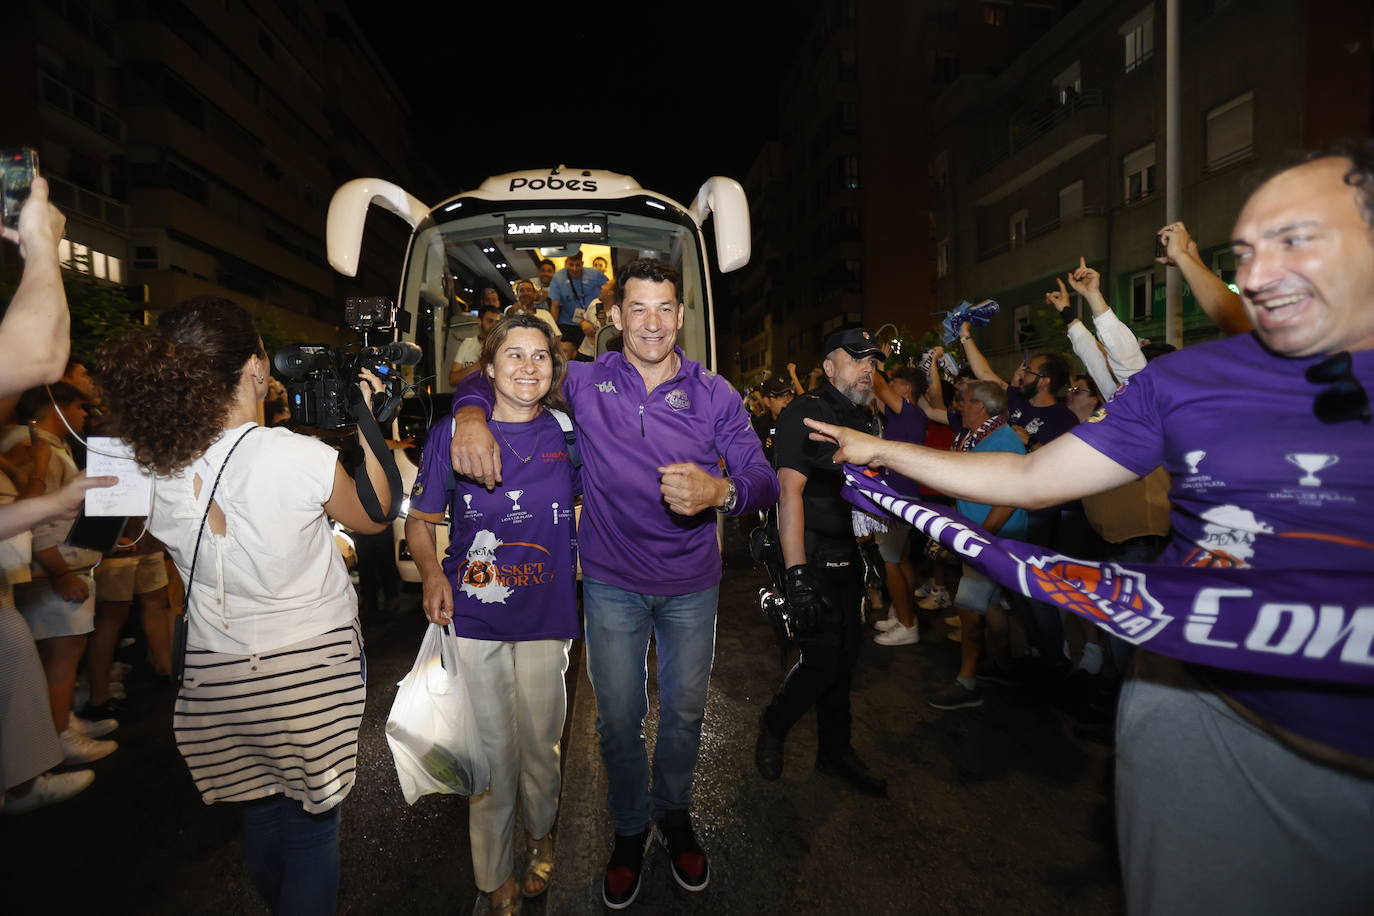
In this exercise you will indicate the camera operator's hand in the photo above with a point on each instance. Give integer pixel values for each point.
(804, 602)
(41, 225)
(474, 451)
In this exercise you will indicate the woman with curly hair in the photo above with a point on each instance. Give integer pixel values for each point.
(508, 587)
(274, 683)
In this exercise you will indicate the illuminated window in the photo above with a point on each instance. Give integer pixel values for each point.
(994, 14)
(98, 264)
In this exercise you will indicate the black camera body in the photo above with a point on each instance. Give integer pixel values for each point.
(322, 381)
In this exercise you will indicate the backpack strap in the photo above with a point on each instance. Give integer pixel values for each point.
(565, 423)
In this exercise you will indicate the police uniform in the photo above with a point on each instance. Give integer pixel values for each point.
(822, 677)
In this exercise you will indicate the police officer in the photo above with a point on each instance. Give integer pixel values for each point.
(824, 579)
(775, 393)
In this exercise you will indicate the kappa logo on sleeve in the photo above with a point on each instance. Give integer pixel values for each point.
(1105, 592)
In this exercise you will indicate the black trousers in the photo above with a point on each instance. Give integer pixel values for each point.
(821, 678)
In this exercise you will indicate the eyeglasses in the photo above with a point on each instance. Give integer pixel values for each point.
(1080, 389)
(1344, 398)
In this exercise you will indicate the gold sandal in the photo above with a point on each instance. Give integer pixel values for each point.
(505, 900)
(538, 867)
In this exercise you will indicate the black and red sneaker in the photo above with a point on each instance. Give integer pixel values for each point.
(691, 871)
(620, 884)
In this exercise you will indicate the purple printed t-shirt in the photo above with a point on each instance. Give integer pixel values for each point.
(512, 553)
(907, 426)
(1044, 423)
(1257, 481)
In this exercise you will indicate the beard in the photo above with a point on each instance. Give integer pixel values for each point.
(858, 394)
(1029, 389)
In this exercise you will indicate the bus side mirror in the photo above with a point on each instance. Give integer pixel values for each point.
(725, 198)
(343, 227)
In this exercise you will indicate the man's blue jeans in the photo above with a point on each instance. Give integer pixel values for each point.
(293, 855)
(619, 623)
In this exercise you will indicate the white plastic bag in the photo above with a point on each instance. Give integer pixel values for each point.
(432, 730)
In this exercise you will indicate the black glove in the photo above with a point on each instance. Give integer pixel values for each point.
(804, 603)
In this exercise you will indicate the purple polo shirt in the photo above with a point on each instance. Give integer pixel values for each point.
(1257, 481)
(907, 426)
(628, 536)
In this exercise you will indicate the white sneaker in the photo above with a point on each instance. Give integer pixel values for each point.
(92, 728)
(77, 748)
(938, 599)
(898, 636)
(887, 623)
(49, 789)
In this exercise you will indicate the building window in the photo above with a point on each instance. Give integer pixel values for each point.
(1138, 172)
(1139, 36)
(1016, 227)
(845, 69)
(994, 14)
(849, 117)
(1230, 131)
(1069, 84)
(1142, 295)
(942, 259)
(851, 173)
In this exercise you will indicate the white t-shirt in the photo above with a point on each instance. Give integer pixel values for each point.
(275, 577)
(468, 352)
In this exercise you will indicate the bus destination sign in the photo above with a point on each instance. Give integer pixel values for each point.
(549, 231)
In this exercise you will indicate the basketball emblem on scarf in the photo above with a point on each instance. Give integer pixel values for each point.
(1106, 592)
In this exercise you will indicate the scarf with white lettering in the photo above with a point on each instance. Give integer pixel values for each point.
(1312, 624)
(968, 438)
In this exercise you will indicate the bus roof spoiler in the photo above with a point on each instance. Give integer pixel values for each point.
(725, 198)
(343, 228)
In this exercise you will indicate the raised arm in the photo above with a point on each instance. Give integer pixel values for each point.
(1218, 300)
(35, 336)
(976, 360)
(1085, 345)
(1065, 470)
(797, 387)
(885, 395)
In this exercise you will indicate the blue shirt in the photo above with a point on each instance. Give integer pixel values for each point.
(1002, 439)
(573, 296)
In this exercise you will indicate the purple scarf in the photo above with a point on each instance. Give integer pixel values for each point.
(1316, 625)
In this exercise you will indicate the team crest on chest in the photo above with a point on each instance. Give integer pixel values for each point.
(677, 399)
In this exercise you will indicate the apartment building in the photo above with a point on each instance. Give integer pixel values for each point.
(194, 145)
(1062, 153)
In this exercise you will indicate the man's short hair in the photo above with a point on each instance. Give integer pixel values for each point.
(653, 270)
(489, 309)
(1057, 369)
(1152, 351)
(913, 377)
(32, 402)
(545, 261)
(1360, 175)
(520, 283)
(991, 395)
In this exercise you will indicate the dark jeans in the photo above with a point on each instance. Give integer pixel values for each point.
(1043, 626)
(292, 855)
(821, 678)
(376, 570)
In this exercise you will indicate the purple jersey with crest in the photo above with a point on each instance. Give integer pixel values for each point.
(512, 552)
(1044, 423)
(1257, 481)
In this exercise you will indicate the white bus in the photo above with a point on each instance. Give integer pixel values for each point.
(497, 234)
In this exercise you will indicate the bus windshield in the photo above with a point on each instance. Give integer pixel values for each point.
(472, 243)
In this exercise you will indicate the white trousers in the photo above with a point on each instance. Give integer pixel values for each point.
(520, 701)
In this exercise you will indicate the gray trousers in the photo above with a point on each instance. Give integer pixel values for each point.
(1215, 816)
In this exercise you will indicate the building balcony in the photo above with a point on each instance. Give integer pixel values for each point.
(99, 118)
(1036, 146)
(74, 199)
(1046, 249)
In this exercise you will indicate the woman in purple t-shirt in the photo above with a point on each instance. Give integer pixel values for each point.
(508, 587)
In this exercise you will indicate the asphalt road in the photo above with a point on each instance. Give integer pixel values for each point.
(993, 810)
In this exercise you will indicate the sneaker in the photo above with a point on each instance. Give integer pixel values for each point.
(49, 789)
(117, 691)
(691, 871)
(620, 884)
(768, 751)
(77, 748)
(899, 636)
(92, 726)
(882, 626)
(119, 670)
(956, 697)
(937, 600)
(996, 674)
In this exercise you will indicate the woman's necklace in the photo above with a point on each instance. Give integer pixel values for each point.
(523, 459)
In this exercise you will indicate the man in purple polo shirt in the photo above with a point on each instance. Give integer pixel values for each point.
(652, 428)
(1236, 792)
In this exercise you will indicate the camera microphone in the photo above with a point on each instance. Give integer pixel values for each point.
(401, 353)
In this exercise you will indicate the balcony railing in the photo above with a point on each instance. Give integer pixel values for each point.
(98, 207)
(82, 107)
(1033, 233)
(1024, 131)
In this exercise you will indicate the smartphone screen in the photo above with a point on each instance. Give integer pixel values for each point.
(20, 165)
(96, 532)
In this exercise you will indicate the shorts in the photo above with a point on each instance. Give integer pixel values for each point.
(892, 542)
(120, 578)
(976, 591)
(49, 615)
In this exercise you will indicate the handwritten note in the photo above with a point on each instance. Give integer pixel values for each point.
(133, 495)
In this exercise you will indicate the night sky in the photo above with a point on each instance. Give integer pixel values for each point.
(670, 96)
